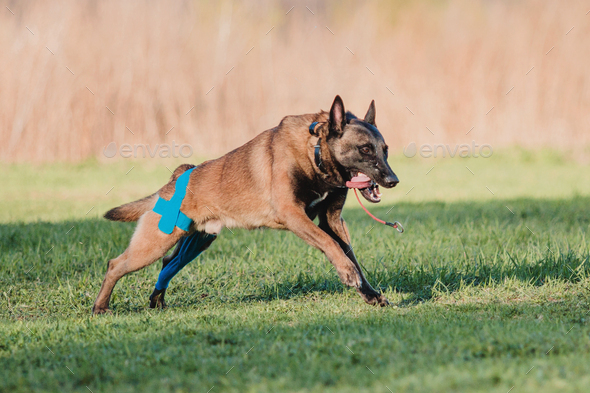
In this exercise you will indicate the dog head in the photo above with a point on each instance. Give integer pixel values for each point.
(359, 148)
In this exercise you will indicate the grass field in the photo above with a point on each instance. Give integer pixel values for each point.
(489, 289)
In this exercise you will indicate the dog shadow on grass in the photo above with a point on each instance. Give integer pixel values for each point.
(416, 285)
(421, 284)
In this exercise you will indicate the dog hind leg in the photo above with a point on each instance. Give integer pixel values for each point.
(187, 249)
(147, 245)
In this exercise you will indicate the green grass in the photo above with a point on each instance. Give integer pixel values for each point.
(488, 293)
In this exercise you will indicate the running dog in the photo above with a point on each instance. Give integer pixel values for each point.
(282, 179)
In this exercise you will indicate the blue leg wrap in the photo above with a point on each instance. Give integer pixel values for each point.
(190, 248)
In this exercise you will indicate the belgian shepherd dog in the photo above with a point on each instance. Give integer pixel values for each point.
(284, 178)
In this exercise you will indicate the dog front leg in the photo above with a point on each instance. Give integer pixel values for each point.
(297, 222)
(333, 224)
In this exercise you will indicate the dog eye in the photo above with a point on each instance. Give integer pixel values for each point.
(365, 150)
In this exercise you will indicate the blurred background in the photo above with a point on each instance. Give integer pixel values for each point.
(498, 246)
(77, 75)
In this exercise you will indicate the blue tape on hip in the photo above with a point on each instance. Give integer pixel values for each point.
(170, 210)
(190, 248)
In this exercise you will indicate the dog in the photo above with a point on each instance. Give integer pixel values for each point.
(282, 179)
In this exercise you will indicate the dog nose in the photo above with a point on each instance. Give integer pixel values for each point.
(391, 181)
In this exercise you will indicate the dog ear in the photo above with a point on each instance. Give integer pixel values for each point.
(370, 116)
(337, 117)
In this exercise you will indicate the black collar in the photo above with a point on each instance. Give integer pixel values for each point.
(317, 148)
(317, 153)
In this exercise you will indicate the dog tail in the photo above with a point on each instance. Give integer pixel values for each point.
(132, 211)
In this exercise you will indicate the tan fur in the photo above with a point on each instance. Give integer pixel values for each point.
(132, 211)
(250, 187)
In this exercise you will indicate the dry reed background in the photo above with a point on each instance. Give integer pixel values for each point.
(446, 64)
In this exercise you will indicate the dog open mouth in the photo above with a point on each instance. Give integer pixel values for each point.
(368, 188)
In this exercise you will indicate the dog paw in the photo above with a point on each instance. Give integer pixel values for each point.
(98, 310)
(157, 299)
(374, 298)
(158, 303)
(382, 301)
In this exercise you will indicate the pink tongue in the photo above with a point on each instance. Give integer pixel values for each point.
(359, 181)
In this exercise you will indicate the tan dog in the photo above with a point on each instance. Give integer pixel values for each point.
(277, 180)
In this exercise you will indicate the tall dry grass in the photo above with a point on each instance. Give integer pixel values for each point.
(441, 65)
